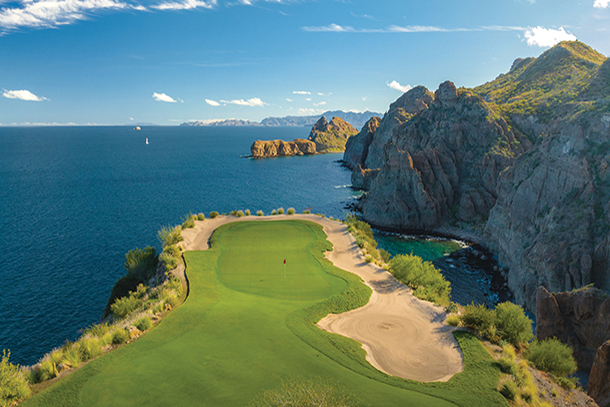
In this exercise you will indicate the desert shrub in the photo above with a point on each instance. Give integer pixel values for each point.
(144, 324)
(368, 259)
(175, 284)
(158, 308)
(89, 348)
(307, 211)
(172, 301)
(274, 212)
(299, 392)
(247, 212)
(568, 383)
(507, 365)
(551, 356)
(106, 339)
(512, 323)
(452, 308)
(172, 251)
(171, 262)
(479, 318)
(360, 242)
(71, 356)
(188, 222)
(97, 330)
(280, 211)
(170, 235)
(509, 351)
(120, 336)
(259, 213)
(385, 255)
(141, 264)
(46, 370)
(427, 282)
(214, 214)
(125, 306)
(509, 390)
(13, 383)
(121, 289)
(290, 211)
(453, 320)
(201, 216)
(240, 214)
(234, 213)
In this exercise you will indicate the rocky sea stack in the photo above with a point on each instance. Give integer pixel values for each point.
(280, 148)
(523, 161)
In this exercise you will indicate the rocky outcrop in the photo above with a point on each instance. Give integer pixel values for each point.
(280, 148)
(357, 147)
(599, 379)
(442, 164)
(580, 319)
(331, 136)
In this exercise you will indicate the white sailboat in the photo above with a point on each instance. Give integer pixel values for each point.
(146, 140)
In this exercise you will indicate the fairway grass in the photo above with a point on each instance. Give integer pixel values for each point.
(248, 323)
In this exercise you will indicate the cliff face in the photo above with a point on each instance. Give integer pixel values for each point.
(442, 162)
(357, 147)
(599, 379)
(524, 158)
(280, 148)
(331, 136)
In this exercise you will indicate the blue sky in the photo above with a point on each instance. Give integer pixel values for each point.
(169, 61)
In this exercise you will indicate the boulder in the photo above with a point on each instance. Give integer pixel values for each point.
(133, 332)
(599, 379)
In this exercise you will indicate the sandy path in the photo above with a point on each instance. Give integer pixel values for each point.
(402, 335)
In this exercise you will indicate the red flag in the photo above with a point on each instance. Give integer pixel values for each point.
(284, 261)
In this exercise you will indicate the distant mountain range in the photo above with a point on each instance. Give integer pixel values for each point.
(355, 119)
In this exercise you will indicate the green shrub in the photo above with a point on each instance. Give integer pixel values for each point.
(214, 214)
(568, 383)
(141, 264)
(507, 365)
(46, 370)
(89, 348)
(307, 211)
(157, 309)
(368, 259)
(280, 211)
(175, 284)
(551, 356)
(452, 308)
(247, 212)
(121, 289)
(512, 323)
(188, 222)
(385, 255)
(453, 320)
(170, 235)
(479, 318)
(234, 213)
(98, 330)
(144, 324)
(120, 336)
(173, 251)
(71, 356)
(290, 211)
(259, 213)
(509, 351)
(171, 262)
(427, 282)
(201, 216)
(274, 212)
(509, 390)
(172, 301)
(240, 214)
(13, 383)
(125, 306)
(106, 339)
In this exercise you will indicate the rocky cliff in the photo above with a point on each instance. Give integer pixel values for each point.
(331, 136)
(599, 379)
(357, 147)
(280, 148)
(523, 159)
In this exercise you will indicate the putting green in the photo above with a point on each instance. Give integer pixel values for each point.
(244, 327)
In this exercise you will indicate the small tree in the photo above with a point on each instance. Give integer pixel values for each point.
(512, 323)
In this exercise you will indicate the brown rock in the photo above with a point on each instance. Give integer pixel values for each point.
(446, 94)
(599, 379)
(167, 307)
(133, 332)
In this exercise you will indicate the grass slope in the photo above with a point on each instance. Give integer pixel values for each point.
(245, 326)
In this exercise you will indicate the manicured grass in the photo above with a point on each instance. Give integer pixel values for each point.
(249, 322)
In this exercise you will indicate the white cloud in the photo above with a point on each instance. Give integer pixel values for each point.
(162, 97)
(364, 99)
(330, 28)
(52, 13)
(288, 100)
(310, 111)
(308, 99)
(398, 86)
(601, 3)
(547, 37)
(212, 102)
(131, 118)
(185, 5)
(319, 104)
(250, 102)
(22, 95)
(301, 92)
(139, 7)
(408, 29)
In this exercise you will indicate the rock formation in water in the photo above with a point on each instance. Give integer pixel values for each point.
(331, 136)
(599, 379)
(280, 148)
(524, 160)
(357, 147)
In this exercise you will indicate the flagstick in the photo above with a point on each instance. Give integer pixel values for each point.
(284, 270)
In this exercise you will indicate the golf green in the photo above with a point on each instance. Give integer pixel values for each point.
(242, 330)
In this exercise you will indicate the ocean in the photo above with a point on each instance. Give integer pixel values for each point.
(74, 200)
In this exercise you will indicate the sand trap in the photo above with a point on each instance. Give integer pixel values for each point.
(402, 335)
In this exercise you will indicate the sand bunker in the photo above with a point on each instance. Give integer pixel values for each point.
(402, 335)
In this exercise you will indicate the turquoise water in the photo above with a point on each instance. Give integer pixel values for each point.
(428, 248)
(74, 200)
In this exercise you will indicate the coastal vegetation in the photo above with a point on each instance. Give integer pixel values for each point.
(363, 233)
(13, 383)
(273, 311)
(426, 280)
(552, 356)
(214, 214)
